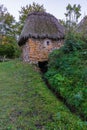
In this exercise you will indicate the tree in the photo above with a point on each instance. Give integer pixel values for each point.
(7, 26)
(26, 10)
(3, 10)
(72, 15)
(62, 22)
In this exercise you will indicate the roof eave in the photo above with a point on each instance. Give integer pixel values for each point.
(23, 40)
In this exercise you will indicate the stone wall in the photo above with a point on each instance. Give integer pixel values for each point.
(38, 50)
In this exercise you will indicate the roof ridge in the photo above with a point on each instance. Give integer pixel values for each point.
(40, 13)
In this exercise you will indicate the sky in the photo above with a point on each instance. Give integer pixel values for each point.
(55, 7)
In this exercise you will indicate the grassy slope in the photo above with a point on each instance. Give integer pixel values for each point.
(67, 75)
(27, 104)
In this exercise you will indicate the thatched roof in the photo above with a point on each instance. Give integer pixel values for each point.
(82, 26)
(41, 25)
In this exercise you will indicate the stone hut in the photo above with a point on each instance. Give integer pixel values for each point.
(41, 34)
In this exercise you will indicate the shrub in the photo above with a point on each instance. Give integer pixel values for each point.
(72, 43)
(8, 50)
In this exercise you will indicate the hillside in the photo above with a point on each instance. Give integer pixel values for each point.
(67, 75)
(27, 104)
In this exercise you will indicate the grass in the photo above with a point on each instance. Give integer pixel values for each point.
(67, 75)
(27, 104)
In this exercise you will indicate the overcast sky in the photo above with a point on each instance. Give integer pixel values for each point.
(55, 7)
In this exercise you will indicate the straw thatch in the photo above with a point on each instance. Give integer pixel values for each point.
(41, 25)
(82, 26)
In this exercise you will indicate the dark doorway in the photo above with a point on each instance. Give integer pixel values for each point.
(43, 66)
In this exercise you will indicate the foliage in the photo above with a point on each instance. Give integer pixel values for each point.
(62, 22)
(73, 42)
(9, 51)
(11, 27)
(8, 34)
(34, 7)
(67, 73)
(3, 11)
(72, 15)
(8, 25)
(27, 104)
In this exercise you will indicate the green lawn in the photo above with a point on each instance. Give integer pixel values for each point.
(27, 104)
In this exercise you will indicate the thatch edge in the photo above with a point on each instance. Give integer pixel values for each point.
(23, 40)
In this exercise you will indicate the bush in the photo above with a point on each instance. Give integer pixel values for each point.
(72, 43)
(8, 50)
